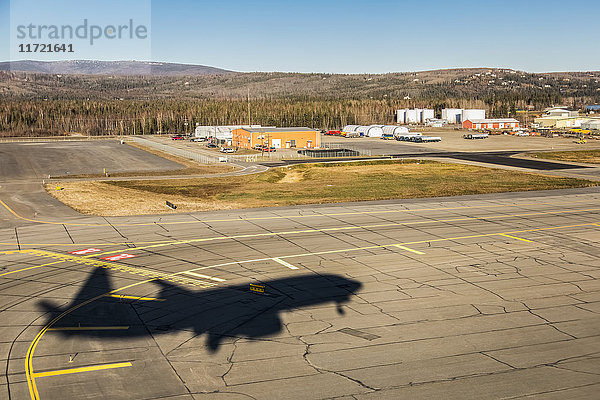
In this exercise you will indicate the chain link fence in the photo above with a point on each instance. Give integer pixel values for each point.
(191, 155)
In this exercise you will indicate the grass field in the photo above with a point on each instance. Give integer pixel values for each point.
(580, 156)
(302, 184)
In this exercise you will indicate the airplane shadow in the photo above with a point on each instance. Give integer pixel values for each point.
(220, 312)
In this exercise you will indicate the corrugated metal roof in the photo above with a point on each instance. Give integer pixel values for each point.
(492, 121)
(275, 130)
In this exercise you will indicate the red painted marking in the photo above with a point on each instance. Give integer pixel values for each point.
(118, 257)
(86, 251)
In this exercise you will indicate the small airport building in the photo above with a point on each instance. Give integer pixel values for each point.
(560, 122)
(280, 138)
(498, 123)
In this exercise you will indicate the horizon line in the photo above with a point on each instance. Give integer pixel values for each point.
(300, 72)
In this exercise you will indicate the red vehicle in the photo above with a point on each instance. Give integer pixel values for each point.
(333, 133)
(177, 137)
(268, 149)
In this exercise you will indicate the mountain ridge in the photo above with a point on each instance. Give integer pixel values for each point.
(119, 68)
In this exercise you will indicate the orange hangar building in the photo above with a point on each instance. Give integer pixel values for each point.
(280, 138)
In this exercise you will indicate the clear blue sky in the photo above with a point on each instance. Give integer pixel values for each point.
(375, 36)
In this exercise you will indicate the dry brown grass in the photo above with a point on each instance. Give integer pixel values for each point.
(579, 156)
(99, 198)
(302, 184)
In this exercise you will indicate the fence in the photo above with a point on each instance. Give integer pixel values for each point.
(201, 158)
(57, 138)
(353, 147)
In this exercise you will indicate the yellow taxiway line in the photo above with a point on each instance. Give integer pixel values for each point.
(30, 375)
(407, 249)
(122, 296)
(28, 268)
(82, 369)
(283, 217)
(163, 243)
(518, 238)
(396, 245)
(89, 328)
(340, 229)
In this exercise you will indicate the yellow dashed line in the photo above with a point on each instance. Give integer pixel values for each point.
(407, 249)
(518, 238)
(82, 369)
(118, 267)
(283, 217)
(122, 296)
(28, 268)
(338, 229)
(89, 328)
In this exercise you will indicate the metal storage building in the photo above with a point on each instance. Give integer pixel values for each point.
(222, 132)
(472, 114)
(401, 116)
(427, 114)
(569, 122)
(371, 130)
(592, 124)
(350, 128)
(277, 137)
(452, 115)
(411, 117)
(394, 130)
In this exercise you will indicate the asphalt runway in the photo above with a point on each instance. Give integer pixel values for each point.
(38, 160)
(493, 296)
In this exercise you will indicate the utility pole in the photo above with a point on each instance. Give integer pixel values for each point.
(249, 123)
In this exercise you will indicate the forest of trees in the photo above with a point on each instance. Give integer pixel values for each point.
(40, 105)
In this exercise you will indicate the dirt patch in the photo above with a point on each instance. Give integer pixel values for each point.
(291, 176)
(99, 198)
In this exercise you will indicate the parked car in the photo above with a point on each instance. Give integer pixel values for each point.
(198, 139)
(227, 150)
(475, 136)
(211, 145)
(267, 149)
(177, 137)
(387, 136)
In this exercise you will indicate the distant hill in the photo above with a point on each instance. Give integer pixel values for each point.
(91, 67)
(134, 80)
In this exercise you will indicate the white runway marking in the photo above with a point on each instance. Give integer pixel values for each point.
(205, 277)
(284, 263)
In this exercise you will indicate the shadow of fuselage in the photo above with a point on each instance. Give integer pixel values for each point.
(220, 312)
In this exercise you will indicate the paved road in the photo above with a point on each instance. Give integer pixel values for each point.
(472, 297)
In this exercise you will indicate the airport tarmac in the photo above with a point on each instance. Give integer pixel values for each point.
(493, 296)
(489, 296)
